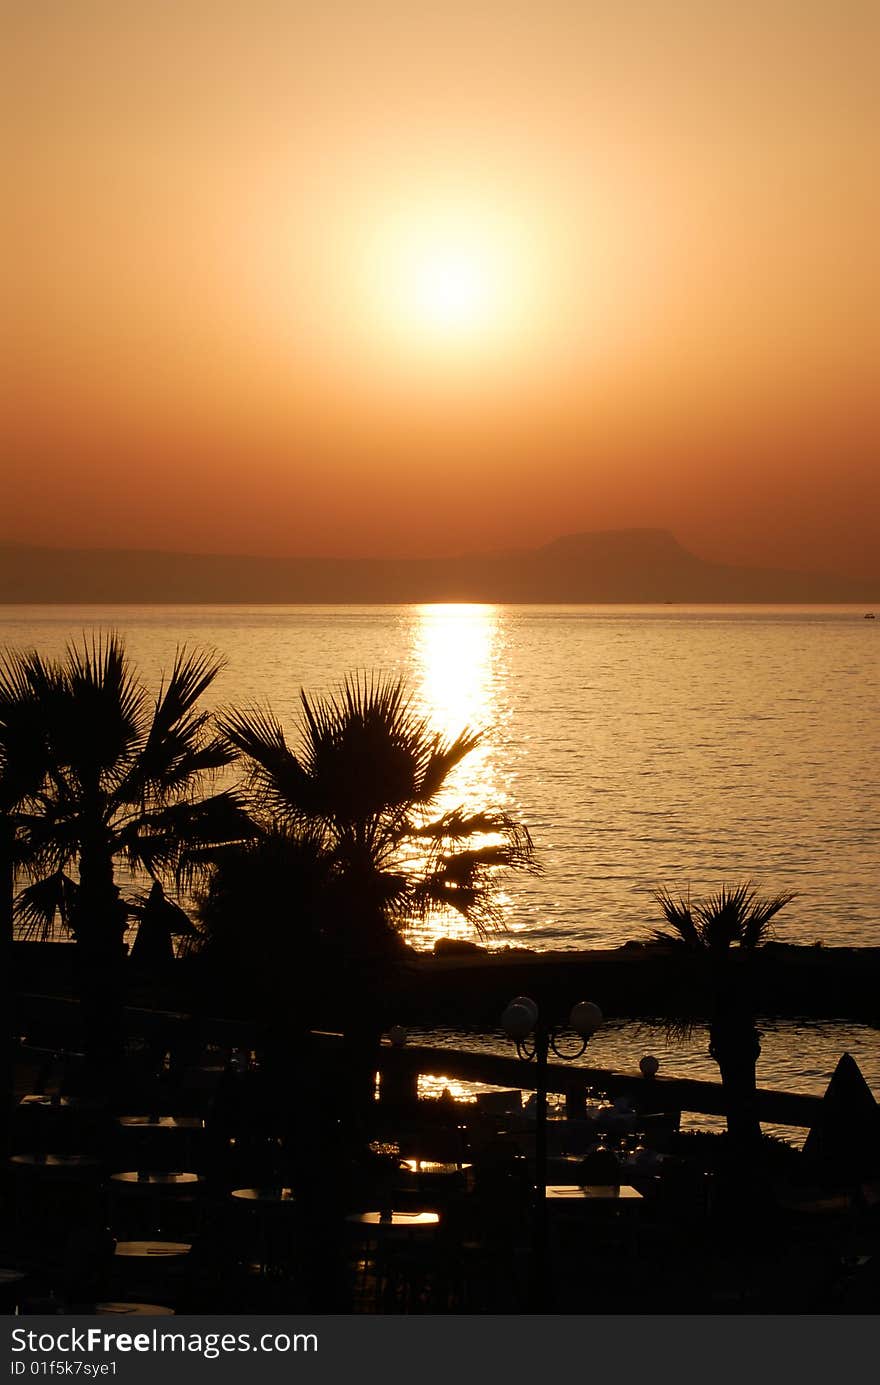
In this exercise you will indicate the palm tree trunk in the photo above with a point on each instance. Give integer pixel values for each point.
(736, 1047)
(100, 955)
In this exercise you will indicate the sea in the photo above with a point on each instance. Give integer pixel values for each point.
(687, 746)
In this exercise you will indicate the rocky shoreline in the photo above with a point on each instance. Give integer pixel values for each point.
(643, 980)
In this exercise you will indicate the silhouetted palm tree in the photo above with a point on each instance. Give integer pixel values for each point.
(284, 882)
(366, 777)
(363, 783)
(726, 927)
(24, 763)
(23, 768)
(128, 779)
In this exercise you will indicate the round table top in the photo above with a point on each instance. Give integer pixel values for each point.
(395, 1220)
(817, 1202)
(159, 1250)
(158, 1180)
(162, 1122)
(141, 1310)
(432, 1167)
(275, 1196)
(596, 1191)
(52, 1102)
(60, 1162)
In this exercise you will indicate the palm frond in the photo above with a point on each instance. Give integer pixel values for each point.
(176, 748)
(26, 684)
(99, 721)
(756, 925)
(170, 838)
(441, 760)
(256, 733)
(679, 914)
(733, 915)
(276, 779)
(38, 906)
(363, 750)
(457, 826)
(49, 831)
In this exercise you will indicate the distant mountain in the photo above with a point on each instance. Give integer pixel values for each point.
(625, 565)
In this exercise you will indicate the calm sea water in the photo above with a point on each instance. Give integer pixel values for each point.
(688, 746)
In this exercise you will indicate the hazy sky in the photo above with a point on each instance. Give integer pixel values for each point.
(404, 277)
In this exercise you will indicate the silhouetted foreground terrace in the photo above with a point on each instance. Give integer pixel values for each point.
(207, 1179)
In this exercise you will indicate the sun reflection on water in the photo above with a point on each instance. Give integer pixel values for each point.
(459, 683)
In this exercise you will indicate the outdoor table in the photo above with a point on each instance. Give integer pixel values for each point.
(597, 1211)
(433, 1168)
(54, 1191)
(61, 1124)
(141, 1310)
(54, 1101)
(152, 1250)
(602, 1192)
(155, 1186)
(818, 1203)
(9, 1280)
(157, 1136)
(162, 1122)
(58, 1165)
(384, 1236)
(265, 1203)
(597, 1201)
(147, 1266)
(375, 1222)
(158, 1180)
(421, 1182)
(275, 1197)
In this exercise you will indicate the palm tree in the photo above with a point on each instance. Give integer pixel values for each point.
(23, 767)
(129, 779)
(362, 786)
(365, 781)
(726, 928)
(285, 880)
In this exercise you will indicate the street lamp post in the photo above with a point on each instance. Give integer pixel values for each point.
(535, 1038)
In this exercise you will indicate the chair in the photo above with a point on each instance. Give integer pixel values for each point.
(658, 1130)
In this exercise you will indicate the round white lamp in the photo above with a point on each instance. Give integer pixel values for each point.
(585, 1018)
(518, 1019)
(528, 1004)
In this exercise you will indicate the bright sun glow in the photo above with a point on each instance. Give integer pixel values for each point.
(452, 289)
(449, 281)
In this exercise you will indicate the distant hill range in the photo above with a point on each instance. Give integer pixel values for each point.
(627, 565)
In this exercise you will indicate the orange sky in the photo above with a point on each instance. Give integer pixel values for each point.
(672, 211)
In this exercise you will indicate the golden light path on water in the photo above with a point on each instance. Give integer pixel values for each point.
(458, 683)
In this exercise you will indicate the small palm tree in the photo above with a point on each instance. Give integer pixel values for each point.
(726, 928)
(366, 776)
(128, 778)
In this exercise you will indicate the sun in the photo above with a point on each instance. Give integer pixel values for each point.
(450, 290)
(447, 281)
